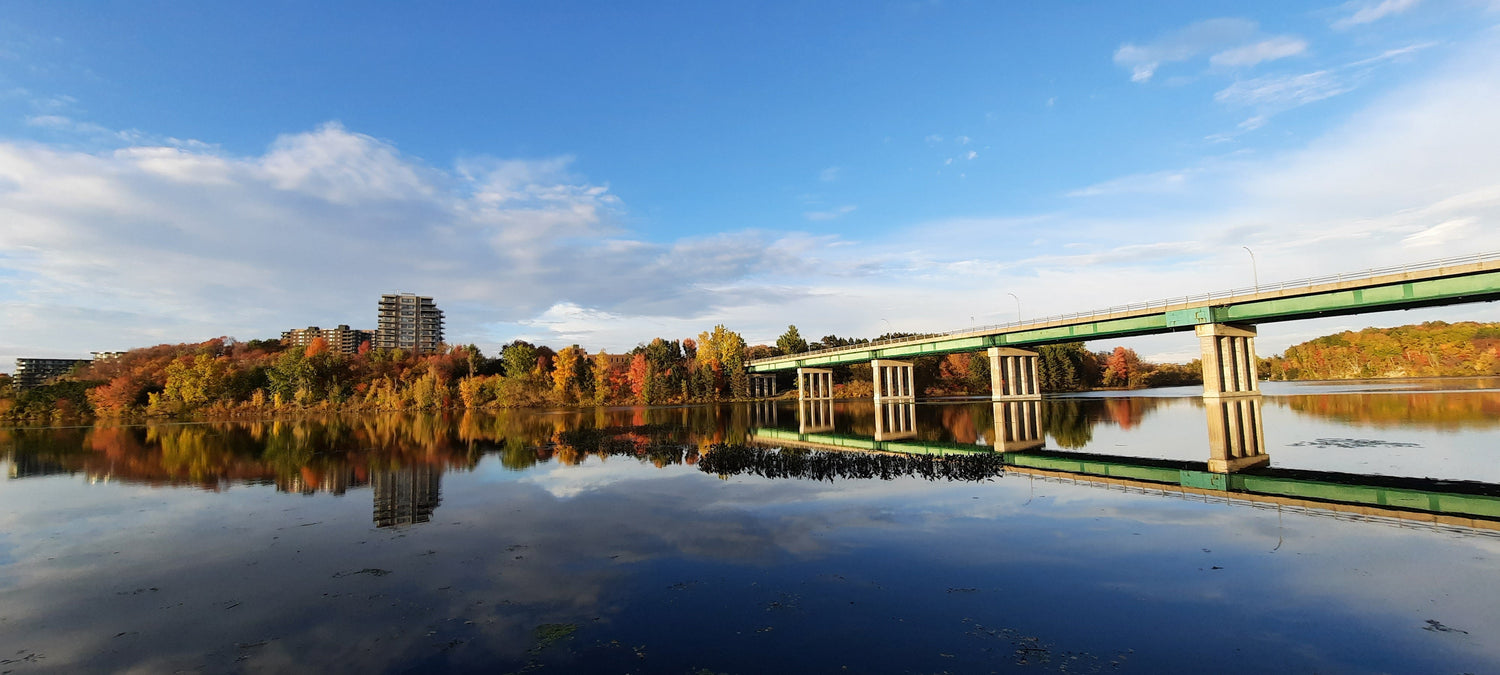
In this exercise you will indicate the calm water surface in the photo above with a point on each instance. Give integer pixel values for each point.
(618, 541)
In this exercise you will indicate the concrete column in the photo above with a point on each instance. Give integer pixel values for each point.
(1013, 374)
(893, 380)
(1228, 354)
(1018, 425)
(1235, 433)
(814, 383)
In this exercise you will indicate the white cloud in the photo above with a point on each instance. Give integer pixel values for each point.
(125, 248)
(1182, 45)
(972, 155)
(1260, 52)
(1368, 12)
(830, 174)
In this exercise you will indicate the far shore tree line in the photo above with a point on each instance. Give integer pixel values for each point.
(224, 377)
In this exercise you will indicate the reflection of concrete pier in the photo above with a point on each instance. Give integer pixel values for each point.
(895, 421)
(815, 416)
(763, 413)
(1235, 434)
(1018, 425)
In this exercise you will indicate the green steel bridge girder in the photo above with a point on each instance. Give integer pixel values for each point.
(1480, 287)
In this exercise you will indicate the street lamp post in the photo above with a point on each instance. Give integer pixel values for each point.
(1254, 273)
(1018, 306)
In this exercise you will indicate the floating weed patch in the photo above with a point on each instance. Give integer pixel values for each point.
(549, 634)
(730, 460)
(1352, 443)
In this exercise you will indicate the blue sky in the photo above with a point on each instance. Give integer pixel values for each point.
(605, 174)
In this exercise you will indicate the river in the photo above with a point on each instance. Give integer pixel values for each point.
(1357, 531)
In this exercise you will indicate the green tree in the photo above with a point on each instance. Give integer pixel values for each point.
(791, 341)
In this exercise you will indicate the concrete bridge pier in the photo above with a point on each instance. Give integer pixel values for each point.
(815, 416)
(814, 383)
(893, 380)
(763, 413)
(1235, 434)
(1018, 425)
(762, 386)
(895, 421)
(1229, 363)
(1013, 374)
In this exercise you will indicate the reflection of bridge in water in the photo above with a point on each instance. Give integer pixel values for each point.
(1236, 469)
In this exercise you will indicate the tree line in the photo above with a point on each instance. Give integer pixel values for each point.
(224, 377)
(1431, 349)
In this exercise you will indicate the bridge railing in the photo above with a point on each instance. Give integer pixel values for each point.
(1169, 303)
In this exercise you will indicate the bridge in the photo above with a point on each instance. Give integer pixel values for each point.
(1224, 323)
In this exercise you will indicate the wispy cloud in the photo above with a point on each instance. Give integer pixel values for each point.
(1283, 90)
(1146, 183)
(1181, 45)
(1260, 52)
(830, 174)
(1368, 12)
(830, 214)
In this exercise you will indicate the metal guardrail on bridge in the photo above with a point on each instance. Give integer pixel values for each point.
(1165, 304)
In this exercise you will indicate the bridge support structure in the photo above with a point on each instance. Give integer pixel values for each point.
(815, 416)
(895, 421)
(893, 380)
(1235, 434)
(1229, 363)
(814, 384)
(1013, 375)
(762, 386)
(1018, 425)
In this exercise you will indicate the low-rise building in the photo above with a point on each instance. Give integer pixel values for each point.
(343, 339)
(37, 372)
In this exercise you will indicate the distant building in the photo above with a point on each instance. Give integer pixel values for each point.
(107, 356)
(619, 360)
(409, 322)
(343, 339)
(406, 496)
(37, 372)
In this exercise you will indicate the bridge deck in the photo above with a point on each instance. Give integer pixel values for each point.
(1440, 282)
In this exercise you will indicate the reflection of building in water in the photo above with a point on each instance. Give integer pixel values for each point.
(28, 465)
(406, 496)
(895, 421)
(309, 481)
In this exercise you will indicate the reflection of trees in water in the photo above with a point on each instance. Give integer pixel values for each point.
(1068, 422)
(1427, 410)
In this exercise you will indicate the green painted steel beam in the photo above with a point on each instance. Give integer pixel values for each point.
(1476, 287)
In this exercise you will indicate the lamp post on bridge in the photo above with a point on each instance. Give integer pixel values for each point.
(1254, 273)
(887, 326)
(1018, 306)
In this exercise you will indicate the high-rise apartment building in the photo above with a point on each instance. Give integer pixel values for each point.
(409, 322)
